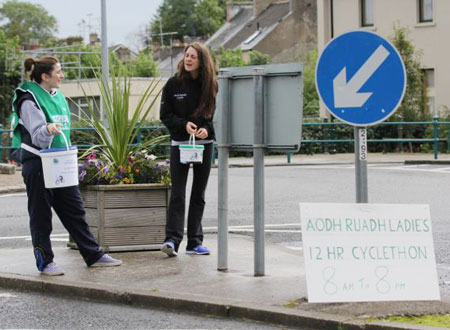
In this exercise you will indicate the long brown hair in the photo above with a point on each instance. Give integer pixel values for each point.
(207, 77)
(35, 68)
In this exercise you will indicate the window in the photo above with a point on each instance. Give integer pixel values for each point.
(428, 81)
(79, 107)
(367, 13)
(425, 11)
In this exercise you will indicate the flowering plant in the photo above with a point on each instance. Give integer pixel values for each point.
(140, 168)
(117, 158)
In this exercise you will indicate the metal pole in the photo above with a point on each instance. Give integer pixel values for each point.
(105, 59)
(361, 164)
(258, 170)
(223, 147)
(160, 31)
(436, 136)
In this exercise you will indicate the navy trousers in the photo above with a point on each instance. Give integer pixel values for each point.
(67, 204)
(175, 218)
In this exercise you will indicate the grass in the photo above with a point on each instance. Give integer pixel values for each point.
(437, 320)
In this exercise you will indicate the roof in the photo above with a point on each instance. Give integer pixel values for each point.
(257, 28)
(231, 28)
(119, 46)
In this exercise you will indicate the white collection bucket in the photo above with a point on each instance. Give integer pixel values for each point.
(60, 166)
(191, 153)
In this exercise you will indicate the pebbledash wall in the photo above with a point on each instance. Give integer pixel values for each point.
(432, 37)
(73, 90)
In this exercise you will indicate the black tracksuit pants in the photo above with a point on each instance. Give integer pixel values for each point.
(67, 204)
(175, 218)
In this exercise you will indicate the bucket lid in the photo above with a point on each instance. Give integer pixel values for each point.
(58, 149)
(190, 146)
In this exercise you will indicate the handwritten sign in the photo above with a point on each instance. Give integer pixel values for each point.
(368, 252)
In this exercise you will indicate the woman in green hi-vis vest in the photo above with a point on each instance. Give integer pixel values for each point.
(43, 116)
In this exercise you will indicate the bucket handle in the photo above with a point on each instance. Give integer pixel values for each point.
(192, 138)
(65, 141)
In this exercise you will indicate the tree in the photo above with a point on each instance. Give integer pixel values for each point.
(9, 79)
(412, 107)
(144, 65)
(27, 21)
(9, 73)
(258, 58)
(228, 57)
(310, 96)
(234, 57)
(208, 17)
(189, 17)
(174, 16)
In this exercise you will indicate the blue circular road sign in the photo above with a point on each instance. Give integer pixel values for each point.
(360, 78)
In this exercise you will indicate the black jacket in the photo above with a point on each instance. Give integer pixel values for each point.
(179, 101)
(26, 136)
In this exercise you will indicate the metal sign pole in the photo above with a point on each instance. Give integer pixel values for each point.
(361, 164)
(258, 170)
(105, 59)
(223, 147)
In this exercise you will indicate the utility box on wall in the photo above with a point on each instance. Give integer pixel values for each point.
(282, 102)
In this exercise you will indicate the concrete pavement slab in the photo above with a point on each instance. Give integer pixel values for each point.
(192, 284)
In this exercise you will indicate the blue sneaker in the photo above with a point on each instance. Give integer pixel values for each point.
(168, 248)
(199, 249)
(107, 261)
(39, 255)
(52, 270)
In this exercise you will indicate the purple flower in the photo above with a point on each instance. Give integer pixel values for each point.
(106, 169)
(82, 175)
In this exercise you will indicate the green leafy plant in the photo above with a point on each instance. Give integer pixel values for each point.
(117, 152)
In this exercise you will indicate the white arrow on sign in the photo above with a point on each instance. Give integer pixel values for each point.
(346, 94)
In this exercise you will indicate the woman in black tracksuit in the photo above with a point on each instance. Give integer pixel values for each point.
(187, 107)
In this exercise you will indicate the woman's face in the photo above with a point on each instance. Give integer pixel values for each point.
(53, 80)
(191, 61)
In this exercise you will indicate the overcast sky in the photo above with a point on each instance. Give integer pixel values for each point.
(125, 18)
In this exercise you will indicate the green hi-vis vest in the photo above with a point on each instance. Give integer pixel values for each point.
(55, 108)
(16, 138)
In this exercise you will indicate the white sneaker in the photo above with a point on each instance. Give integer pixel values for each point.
(52, 270)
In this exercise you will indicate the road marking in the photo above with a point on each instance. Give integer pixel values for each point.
(266, 231)
(53, 237)
(295, 248)
(13, 195)
(270, 225)
(7, 295)
(249, 228)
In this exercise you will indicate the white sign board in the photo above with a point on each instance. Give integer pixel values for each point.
(368, 252)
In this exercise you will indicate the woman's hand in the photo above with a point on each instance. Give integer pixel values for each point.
(191, 128)
(53, 128)
(202, 133)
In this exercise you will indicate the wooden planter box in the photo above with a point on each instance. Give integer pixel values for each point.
(128, 217)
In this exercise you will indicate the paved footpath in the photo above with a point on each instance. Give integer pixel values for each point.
(193, 284)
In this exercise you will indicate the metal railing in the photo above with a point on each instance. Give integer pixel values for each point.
(329, 132)
(435, 139)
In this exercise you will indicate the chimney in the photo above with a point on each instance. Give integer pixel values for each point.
(93, 39)
(260, 5)
(299, 6)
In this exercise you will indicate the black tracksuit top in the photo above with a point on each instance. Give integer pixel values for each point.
(179, 101)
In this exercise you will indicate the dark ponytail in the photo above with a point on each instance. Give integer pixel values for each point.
(35, 68)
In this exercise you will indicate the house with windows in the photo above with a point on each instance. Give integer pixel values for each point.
(284, 29)
(428, 25)
(76, 91)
